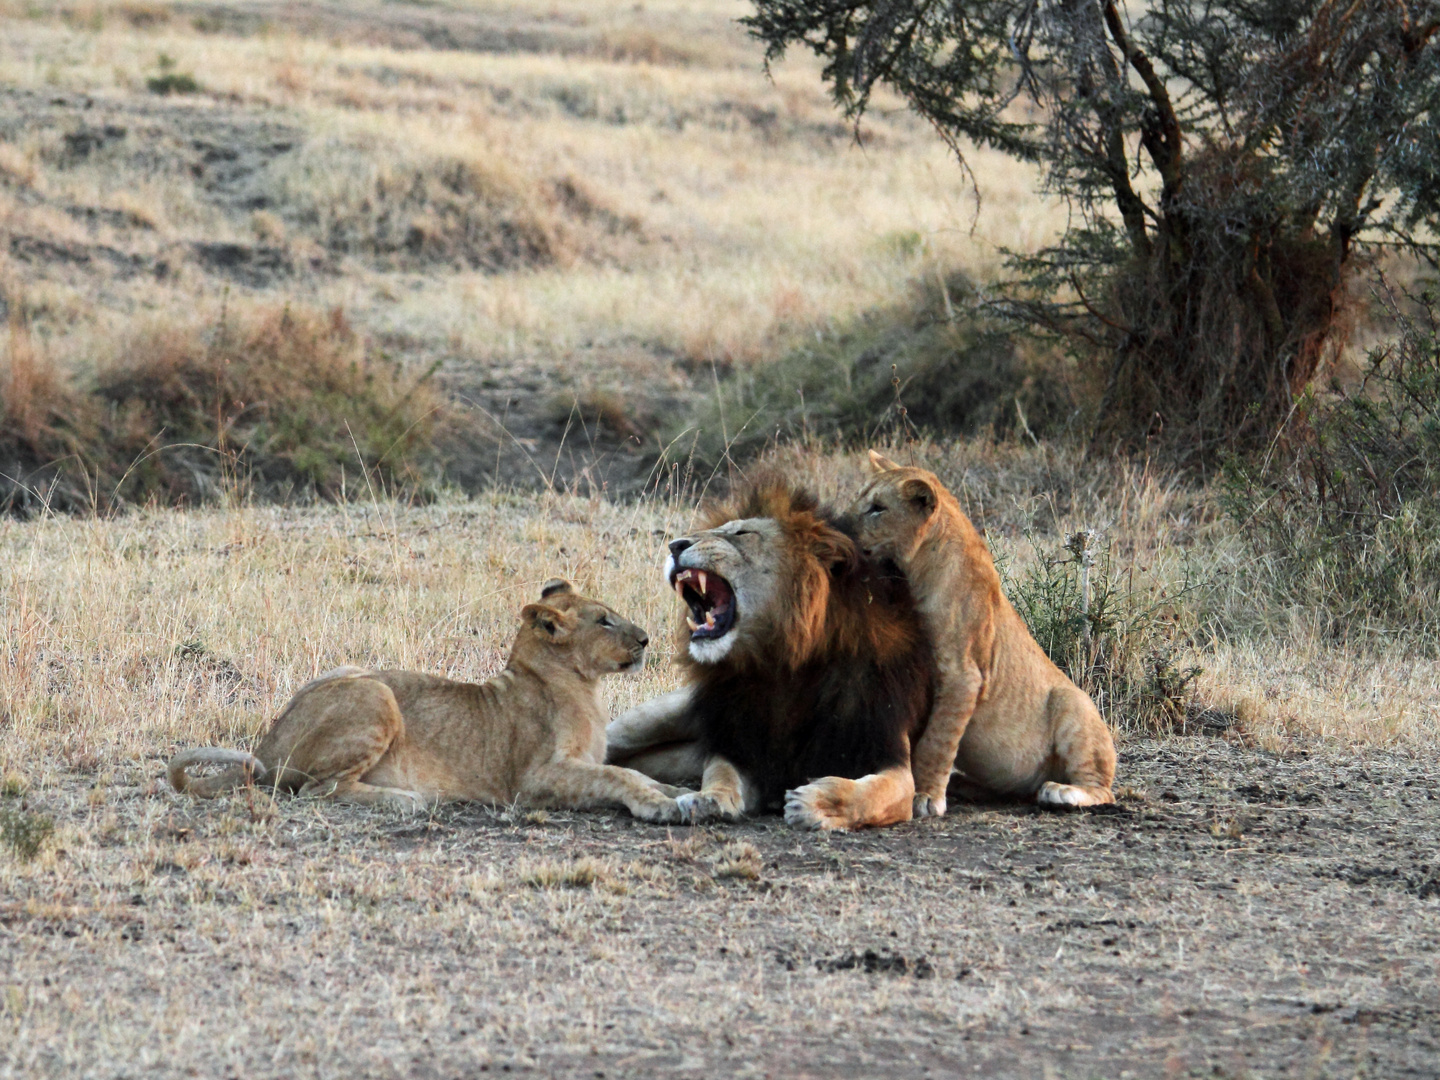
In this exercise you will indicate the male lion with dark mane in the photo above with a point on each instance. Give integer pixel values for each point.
(809, 671)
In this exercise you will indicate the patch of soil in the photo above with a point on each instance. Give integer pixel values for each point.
(1235, 915)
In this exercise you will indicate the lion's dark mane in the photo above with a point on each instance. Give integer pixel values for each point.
(862, 687)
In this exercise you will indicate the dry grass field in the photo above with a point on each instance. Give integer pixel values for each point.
(560, 203)
(605, 204)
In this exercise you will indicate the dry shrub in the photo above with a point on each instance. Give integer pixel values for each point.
(369, 200)
(277, 401)
(1209, 355)
(39, 409)
(582, 873)
(288, 398)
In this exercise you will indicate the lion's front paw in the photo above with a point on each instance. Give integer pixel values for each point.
(662, 812)
(928, 806)
(821, 805)
(698, 806)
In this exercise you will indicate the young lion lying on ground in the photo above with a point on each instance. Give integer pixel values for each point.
(1005, 717)
(535, 733)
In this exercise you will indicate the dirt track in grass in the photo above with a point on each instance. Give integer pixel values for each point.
(1238, 914)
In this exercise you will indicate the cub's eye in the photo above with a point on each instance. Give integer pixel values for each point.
(875, 508)
(606, 620)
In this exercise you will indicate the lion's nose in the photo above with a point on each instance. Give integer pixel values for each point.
(677, 546)
(643, 639)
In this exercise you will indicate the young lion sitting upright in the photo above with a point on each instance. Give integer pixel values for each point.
(535, 733)
(1005, 717)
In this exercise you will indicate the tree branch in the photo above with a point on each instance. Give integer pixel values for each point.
(1162, 137)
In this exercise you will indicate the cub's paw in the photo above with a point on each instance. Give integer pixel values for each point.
(662, 812)
(1068, 795)
(928, 806)
(821, 805)
(405, 802)
(697, 807)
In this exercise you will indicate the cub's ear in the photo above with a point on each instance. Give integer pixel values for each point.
(880, 463)
(554, 624)
(555, 585)
(920, 492)
(832, 547)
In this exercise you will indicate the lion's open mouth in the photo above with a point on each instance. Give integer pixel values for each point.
(711, 602)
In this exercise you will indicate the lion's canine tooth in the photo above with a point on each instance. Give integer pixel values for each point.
(679, 588)
(691, 623)
(703, 581)
(710, 620)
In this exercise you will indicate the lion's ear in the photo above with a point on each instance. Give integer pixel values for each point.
(920, 492)
(555, 585)
(880, 463)
(553, 623)
(832, 547)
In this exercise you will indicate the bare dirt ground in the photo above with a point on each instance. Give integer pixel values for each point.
(1239, 913)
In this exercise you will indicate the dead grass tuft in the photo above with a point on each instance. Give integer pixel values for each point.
(738, 860)
(582, 873)
(42, 416)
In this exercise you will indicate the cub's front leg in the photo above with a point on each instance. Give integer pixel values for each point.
(934, 756)
(724, 793)
(574, 784)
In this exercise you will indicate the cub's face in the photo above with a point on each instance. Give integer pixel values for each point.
(583, 632)
(728, 579)
(892, 512)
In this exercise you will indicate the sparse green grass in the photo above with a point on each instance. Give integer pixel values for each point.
(1344, 523)
(24, 833)
(931, 362)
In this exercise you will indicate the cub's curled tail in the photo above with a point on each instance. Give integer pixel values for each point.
(247, 769)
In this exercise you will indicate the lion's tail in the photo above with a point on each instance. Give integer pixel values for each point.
(246, 768)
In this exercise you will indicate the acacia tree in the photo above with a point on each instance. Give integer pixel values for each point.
(1229, 163)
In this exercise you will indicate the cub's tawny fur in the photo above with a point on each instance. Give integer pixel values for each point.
(534, 734)
(1006, 718)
